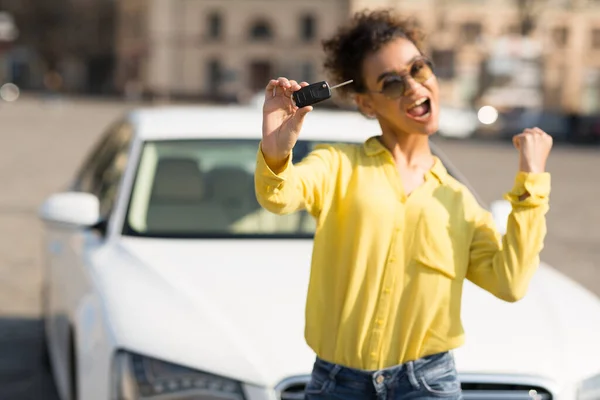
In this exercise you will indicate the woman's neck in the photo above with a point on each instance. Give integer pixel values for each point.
(407, 149)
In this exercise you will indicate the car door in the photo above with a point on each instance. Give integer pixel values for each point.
(69, 249)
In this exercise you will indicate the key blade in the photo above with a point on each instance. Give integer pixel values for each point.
(342, 84)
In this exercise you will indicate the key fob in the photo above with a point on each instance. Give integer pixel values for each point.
(312, 94)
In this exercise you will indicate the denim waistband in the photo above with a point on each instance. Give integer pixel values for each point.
(410, 368)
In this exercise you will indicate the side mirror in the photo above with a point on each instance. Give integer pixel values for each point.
(74, 208)
(501, 209)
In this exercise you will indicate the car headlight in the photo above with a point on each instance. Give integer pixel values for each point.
(139, 377)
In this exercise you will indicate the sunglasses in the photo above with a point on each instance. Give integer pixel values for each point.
(394, 86)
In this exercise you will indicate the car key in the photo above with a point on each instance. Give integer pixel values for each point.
(314, 93)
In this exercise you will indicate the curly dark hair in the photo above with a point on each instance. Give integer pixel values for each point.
(365, 33)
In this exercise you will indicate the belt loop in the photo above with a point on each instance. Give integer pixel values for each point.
(412, 377)
(336, 369)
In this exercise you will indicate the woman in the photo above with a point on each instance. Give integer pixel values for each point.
(396, 234)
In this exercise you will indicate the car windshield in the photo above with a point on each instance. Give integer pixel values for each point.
(204, 188)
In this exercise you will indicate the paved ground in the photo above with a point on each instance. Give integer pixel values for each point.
(42, 143)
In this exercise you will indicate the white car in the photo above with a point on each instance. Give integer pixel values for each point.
(457, 123)
(164, 279)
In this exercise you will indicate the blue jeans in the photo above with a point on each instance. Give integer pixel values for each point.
(431, 377)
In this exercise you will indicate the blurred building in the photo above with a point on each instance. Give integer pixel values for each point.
(220, 49)
(69, 39)
(507, 53)
(512, 53)
(17, 54)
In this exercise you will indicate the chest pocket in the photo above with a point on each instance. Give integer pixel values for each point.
(434, 244)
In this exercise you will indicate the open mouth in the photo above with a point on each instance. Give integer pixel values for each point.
(420, 109)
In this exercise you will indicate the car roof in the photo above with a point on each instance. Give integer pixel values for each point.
(244, 122)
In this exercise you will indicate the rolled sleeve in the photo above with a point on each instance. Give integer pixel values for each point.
(536, 184)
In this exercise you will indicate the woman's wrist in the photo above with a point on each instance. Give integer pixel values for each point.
(276, 161)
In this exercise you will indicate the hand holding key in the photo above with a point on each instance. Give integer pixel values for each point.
(286, 105)
(282, 121)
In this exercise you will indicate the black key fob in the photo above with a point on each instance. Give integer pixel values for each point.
(312, 94)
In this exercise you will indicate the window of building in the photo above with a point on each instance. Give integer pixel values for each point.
(135, 25)
(214, 75)
(261, 30)
(560, 36)
(307, 72)
(596, 38)
(443, 61)
(260, 72)
(513, 29)
(215, 25)
(307, 28)
(471, 32)
(591, 91)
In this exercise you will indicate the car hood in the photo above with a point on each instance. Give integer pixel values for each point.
(238, 311)
(551, 332)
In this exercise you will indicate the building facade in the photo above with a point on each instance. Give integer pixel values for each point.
(228, 49)
(221, 49)
(483, 58)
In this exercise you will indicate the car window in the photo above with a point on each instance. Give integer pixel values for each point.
(105, 166)
(205, 188)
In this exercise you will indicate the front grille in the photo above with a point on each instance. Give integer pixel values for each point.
(503, 391)
(475, 389)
